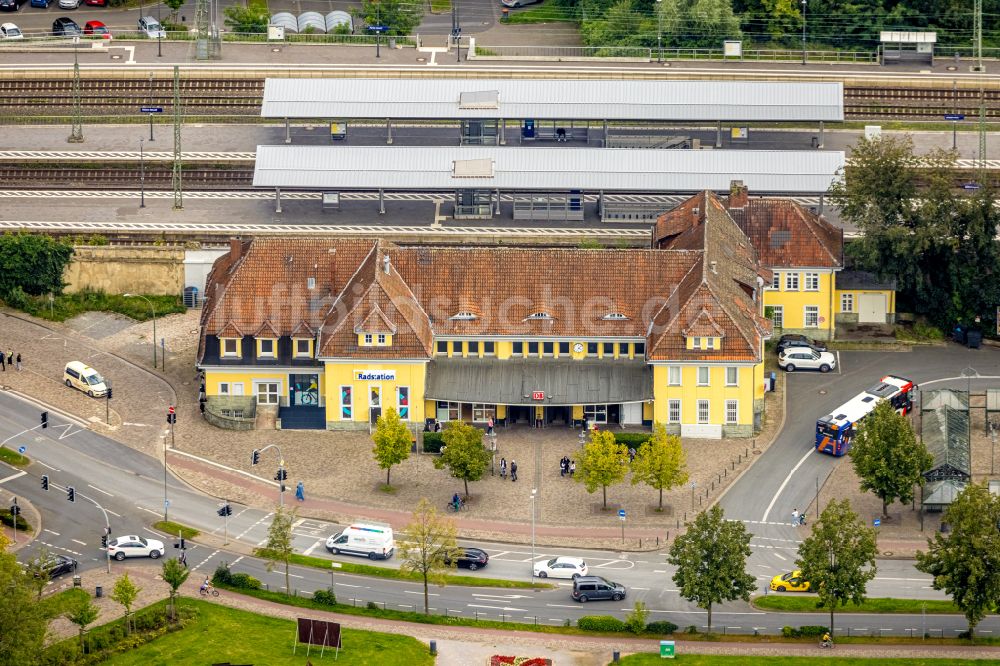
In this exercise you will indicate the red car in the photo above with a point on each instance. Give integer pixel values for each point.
(96, 3)
(96, 28)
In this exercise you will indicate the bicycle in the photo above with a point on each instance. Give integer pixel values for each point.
(826, 644)
(208, 591)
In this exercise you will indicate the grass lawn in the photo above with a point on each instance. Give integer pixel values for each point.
(807, 604)
(700, 659)
(67, 306)
(544, 13)
(440, 6)
(12, 457)
(386, 572)
(172, 528)
(221, 634)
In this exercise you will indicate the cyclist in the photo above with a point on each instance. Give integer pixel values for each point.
(826, 641)
(206, 586)
(456, 502)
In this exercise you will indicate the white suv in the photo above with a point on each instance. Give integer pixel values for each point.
(806, 358)
(134, 546)
(151, 27)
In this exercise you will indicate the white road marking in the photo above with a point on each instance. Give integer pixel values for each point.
(100, 491)
(430, 594)
(784, 483)
(237, 560)
(48, 466)
(155, 513)
(50, 531)
(562, 606)
(13, 476)
(310, 549)
(346, 585)
(503, 608)
(291, 575)
(641, 588)
(116, 515)
(82, 543)
(780, 557)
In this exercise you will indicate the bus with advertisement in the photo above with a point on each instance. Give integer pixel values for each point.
(835, 431)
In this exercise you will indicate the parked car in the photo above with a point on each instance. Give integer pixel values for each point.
(96, 3)
(514, 4)
(10, 31)
(793, 340)
(69, 4)
(596, 588)
(58, 565)
(96, 28)
(77, 374)
(11, 5)
(134, 546)
(151, 27)
(41, 3)
(471, 559)
(804, 358)
(790, 582)
(64, 26)
(561, 567)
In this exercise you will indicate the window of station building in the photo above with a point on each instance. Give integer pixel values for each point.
(532, 349)
(847, 302)
(591, 349)
(623, 349)
(442, 347)
(703, 375)
(673, 411)
(473, 347)
(517, 349)
(640, 349)
(732, 411)
(489, 348)
(548, 348)
(703, 411)
(381, 339)
(564, 349)
(368, 339)
(696, 343)
(230, 347)
(775, 280)
(595, 413)
(609, 349)
(812, 281)
(732, 376)
(267, 348)
(710, 343)
(673, 375)
(483, 413)
(811, 316)
(302, 347)
(791, 281)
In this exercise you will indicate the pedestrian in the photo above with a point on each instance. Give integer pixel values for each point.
(802, 518)
(19, 362)
(10, 357)
(795, 517)
(489, 426)
(631, 454)
(300, 492)
(563, 467)
(513, 470)
(503, 468)
(183, 559)
(572, 468)
(3, 362)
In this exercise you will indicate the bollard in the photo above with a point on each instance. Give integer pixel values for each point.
(720, 478)
(713, 485)
(725, 473)
(732, 465)
(99, 592)
(699, 500)
(616, 656)
(746, 452)
(434, 648)
(657, 541)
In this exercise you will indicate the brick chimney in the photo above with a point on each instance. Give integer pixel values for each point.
(739, 194)
(235, 248)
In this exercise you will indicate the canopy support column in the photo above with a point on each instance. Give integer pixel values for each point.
(498, 203)
(503, 131)
(277, 200)
(381, 201)
(388, 130)
(605, 133)
(718, 135)
(288, 131)
(820, 135)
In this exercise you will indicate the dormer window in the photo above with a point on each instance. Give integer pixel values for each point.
(266, 348)
(539, 315)
(614, 316)
(464, 316)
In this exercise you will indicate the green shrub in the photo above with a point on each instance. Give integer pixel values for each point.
(371, 605)
(222, 575)
(244, 581)
(632, 439)
(433, 442)
(635, 621)
(600, 623)
(691, 629)
(326, 597)
(8, 520)
(661, 627)
(803, 632)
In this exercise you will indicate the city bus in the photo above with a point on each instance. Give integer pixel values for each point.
(835, 431)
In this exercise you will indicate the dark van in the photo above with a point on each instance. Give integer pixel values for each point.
(594, 588)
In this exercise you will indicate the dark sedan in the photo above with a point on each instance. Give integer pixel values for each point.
(11, 5)
(58, 565)
(64, 26)
(792, 340)
(472, 559)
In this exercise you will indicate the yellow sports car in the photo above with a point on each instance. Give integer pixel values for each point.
(790, 582)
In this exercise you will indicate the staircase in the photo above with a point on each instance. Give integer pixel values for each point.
(302, 418)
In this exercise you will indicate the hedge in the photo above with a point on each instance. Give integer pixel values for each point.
(433, 442)
(632, 439)
(8, 520)
(600, 623)
(803, 632)
(242, 581)
(661, 627)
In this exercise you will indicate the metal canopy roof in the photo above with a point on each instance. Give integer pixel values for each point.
(438, 168)
(559, 99)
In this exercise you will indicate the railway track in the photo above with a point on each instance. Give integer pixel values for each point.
(233, 99)
(155, 176)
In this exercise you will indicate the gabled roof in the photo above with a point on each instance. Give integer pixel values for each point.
(703, 326)
(787, 234)
(230, 330)
(267, 330)
(375, 322)
(303, 330)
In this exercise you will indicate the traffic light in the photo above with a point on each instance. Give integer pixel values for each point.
(225, 510)
(109, 393)
(45, 419)
(45, 481)
(282, 474)
(255, 457)
(104, 541)
(181, 544)
(171, 415)
(15, 510)
(71, 494)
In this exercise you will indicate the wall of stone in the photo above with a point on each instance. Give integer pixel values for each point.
(117, 270)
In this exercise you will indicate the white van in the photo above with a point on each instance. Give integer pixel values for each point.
(373, 541)
(81, 376)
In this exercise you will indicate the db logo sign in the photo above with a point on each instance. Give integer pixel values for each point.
(538, 395)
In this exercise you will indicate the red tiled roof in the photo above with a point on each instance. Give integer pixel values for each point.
(787, 235)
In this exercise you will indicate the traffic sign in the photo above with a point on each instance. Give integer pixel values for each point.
(954, 116)
(378, 28)
(166, 503)
(971, 186)
(877, 522)
(151, 109)
(22, 449)
(621, 513)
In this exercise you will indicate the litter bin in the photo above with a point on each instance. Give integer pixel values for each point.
(973, 339)
(76, 581)
(99, 592)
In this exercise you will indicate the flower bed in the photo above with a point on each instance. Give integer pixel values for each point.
(504, 660)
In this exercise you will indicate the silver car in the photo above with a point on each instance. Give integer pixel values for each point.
(806, 358)
(152, 28)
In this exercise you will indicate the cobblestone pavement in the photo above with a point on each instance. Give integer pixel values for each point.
(339, 467)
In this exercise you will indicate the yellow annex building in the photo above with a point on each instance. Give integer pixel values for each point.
(330, 332)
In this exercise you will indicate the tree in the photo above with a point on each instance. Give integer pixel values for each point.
(660, 462)
(174, 6)
(392, 441)
(125, 593)
(252, 19)
(838, 558)
(463, 453)
(82, 613)
(603, 463)
(37, 570)
(174, 574)
(427, 546)
(399, 16)
(32, 264)
(22, 619)
(887, 456)
(711, 559)
(278, 547)
(965, 562)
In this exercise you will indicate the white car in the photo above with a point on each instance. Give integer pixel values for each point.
(561, 567)
(806, 358)
(69, 4)
(10, 31)
(134, 546)
(151, 27)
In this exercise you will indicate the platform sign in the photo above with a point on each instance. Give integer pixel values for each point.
(954, 116)
(970, 186)
(151, 109)
(538, 395)
(666, 649)
(378, 28)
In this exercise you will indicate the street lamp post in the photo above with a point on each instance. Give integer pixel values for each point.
(159, 33)
(534, 494)
(150, 104)
(255, 459)
(142, 179)
(803, 32)
(153, 310)
(659, 31)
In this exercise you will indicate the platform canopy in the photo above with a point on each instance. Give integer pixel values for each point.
(553, 99)
(905, 37)
(439, 168)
